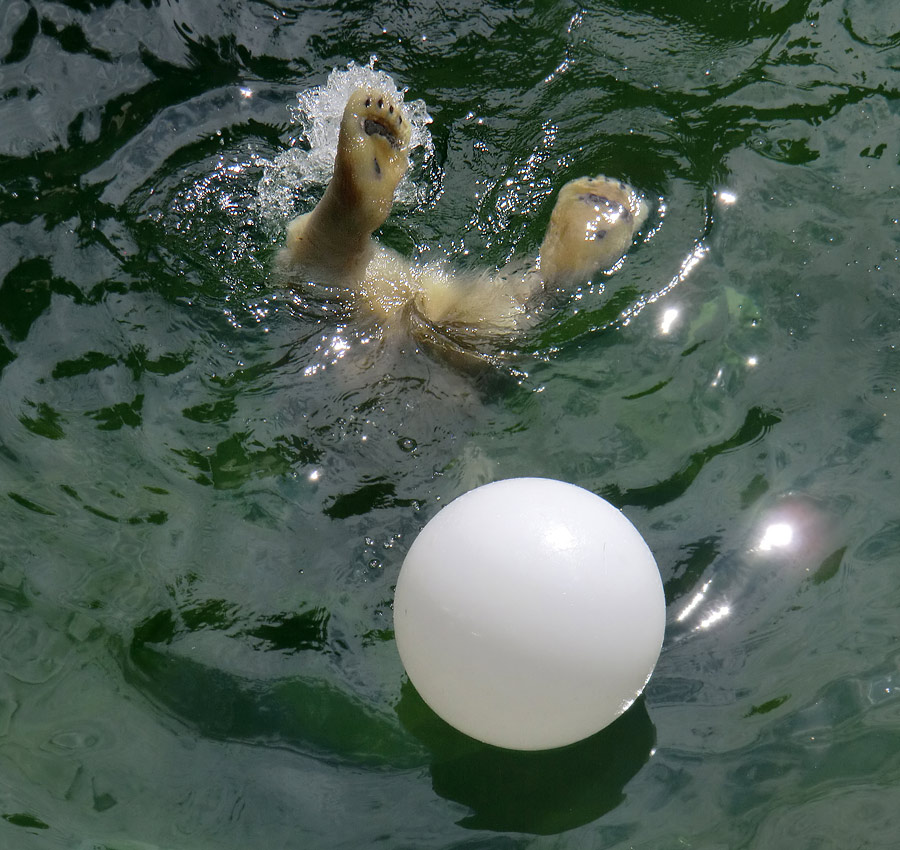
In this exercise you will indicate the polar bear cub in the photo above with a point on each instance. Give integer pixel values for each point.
(591, 227)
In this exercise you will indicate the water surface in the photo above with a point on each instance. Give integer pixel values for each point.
(207, 485)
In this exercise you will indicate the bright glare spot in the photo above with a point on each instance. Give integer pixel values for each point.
(695, 601)
(717, 380)
(668, 320)
(726, 197)
(339, 345)
(315, 475)
(246, 92)
(714, 616)
(752, 361)
(690, 262)
(777, 535)
(560, 537)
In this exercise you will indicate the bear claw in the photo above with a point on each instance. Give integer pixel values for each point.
(612, 210)
(382, 117)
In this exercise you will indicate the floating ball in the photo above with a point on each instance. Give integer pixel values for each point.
(529, 613)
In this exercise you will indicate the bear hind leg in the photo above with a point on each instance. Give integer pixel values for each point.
(372, 156)
(592, 225)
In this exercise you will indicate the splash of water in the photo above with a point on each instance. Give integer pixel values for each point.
(309, 162)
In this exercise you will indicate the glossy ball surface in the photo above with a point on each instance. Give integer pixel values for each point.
(529, 613)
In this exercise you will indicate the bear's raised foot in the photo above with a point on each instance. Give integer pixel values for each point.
(333, 242)
(591, 227)
(390, 126)
(372, 151)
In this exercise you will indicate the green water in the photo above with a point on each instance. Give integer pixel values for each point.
(203, 509)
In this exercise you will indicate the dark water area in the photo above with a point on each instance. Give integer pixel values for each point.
(208, 484)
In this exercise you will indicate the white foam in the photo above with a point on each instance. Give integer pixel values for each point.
(309, 162)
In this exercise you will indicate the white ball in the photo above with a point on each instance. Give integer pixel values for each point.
(529, 613)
